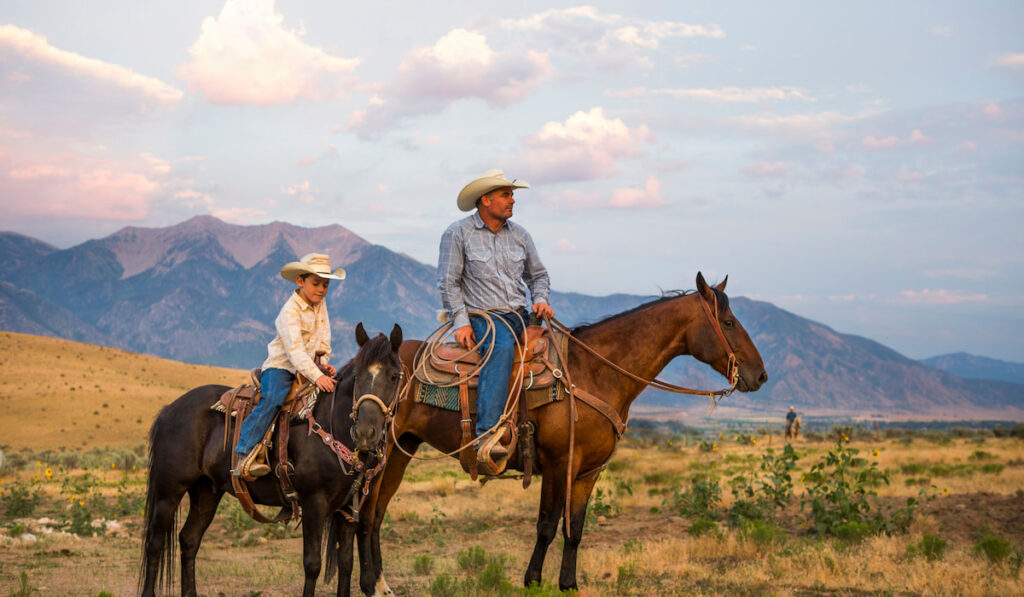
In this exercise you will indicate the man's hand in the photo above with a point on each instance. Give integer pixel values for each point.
(543, 310)
(465, 336)
(325, 383)
(329, 370)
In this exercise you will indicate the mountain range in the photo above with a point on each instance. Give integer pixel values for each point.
(205, 291)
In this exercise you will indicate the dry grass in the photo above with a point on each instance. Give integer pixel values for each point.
(57, 393)
(641, 548)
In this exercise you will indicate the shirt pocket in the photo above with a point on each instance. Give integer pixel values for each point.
(516, 262)
(480, 262)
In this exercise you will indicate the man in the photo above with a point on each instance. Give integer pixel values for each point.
(489, 263)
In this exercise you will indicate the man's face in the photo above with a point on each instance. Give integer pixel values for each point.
(498, 203)
(313, 288)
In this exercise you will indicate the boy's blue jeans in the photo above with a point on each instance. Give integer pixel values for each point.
(274, 385)
(494, 377)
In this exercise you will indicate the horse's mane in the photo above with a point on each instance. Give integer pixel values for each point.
(666, 295)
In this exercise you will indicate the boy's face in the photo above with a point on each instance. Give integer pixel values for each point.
(312, 288)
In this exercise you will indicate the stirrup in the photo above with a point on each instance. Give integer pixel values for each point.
(492, 456)
(253, 465)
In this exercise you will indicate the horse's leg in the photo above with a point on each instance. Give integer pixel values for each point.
(345, 531)
(371, 565)
(552, 500)
(314, 512)
(203, 499)
(581, 489)
(161, 511)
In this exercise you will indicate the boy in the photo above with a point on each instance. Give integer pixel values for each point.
(302, 330)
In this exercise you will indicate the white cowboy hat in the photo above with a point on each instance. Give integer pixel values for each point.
(488, 181)
(314, 263)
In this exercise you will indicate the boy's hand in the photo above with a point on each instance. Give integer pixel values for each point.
(329, 370)
(325, 383)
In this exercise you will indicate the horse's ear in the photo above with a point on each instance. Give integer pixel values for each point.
(721, 285)
(702, 287)
(396, 337)
(361, 336)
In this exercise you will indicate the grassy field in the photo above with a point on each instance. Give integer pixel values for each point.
(655, 526)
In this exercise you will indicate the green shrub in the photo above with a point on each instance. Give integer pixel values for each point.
(703, 526)
(699, 500)
(20, 499)
(995, 549)
(493, 575)
(992, 468)
(981, 455)
(930, 547)
(471, 559)
(762, 533)
(853, 531)
(423, 564)
(601, 504)
(626, 577)
(444, 585)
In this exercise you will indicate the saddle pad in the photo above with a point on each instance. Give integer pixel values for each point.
(450, 361)
(448, 398)
(246, 391)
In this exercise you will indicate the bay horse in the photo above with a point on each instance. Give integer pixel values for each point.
(793, 429)
(187, 455)
(642, 341)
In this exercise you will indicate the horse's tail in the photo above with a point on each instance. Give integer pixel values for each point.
(165, 558)
(332, 550)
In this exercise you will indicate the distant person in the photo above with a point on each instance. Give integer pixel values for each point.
(792, 424)
(303, 329)
(489, 263)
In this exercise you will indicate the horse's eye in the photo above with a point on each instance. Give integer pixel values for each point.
(728, 323)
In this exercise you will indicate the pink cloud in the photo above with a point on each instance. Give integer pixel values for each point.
(302, 192)
(572, 200)
(564, 245)
(920, 139)
(584, 147)
(968, 146)
(245, 56)
(763, 169)
(874, 144)
(992, 110)
(1014, 61)
(910, 176)
(75, 186)
(460, 65)
(35, 49)
(928, 296)
(645, 198)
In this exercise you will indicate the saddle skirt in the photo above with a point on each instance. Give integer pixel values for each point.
(440, 373)
(250, 392)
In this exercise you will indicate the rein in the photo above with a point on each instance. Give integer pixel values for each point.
(732, 366)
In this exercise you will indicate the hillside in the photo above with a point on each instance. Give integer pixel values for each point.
(970, 366)
(62, 394)
(206, 292)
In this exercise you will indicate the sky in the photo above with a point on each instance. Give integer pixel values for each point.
(860, 164)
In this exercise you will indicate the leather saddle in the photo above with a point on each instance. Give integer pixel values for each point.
(449, 363)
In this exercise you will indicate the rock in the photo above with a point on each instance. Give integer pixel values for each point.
(28, 539)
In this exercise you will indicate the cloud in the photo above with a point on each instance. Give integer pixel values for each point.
(763, 169)
(565, 245)
(874, 144)
(585, 147)
(606, 40)
(913, 176)
(572, 200)
(647, 197)
(460, 65)
(920, 139)
(80, 186)
(964, 273)
(738, 94)
(939, 296)
(245, 56)
(967, 147)
(992, 110)
(35, 50)
(1014, 61)
(940, 31)
(302, 192)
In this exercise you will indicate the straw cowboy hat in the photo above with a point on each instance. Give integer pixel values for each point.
(488, 181)
(314, 263)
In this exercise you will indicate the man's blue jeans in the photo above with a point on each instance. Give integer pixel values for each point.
(274, 385)
(494, 377)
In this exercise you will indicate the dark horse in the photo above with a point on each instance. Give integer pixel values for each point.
(187, 455)
(642, 341)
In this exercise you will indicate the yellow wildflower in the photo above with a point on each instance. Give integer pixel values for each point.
(39, 463)
(875, 452)
(753, 440)
(133, 467)
(945, 491)
(81, 502)
(49, 473)
(845, 439)
(112, 465)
